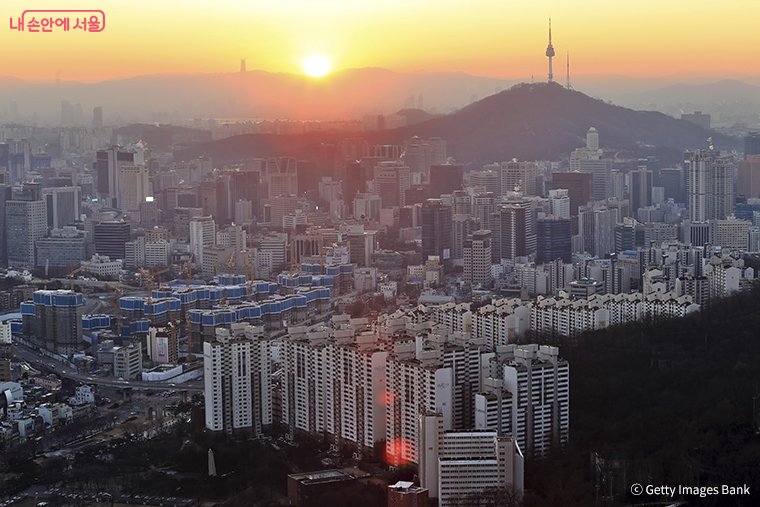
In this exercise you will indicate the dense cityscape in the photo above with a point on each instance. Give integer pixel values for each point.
(373, 310)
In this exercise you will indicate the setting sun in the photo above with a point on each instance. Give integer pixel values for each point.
(316, 66)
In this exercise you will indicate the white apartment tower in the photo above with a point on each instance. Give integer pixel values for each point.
(709, 186)
(237, 380)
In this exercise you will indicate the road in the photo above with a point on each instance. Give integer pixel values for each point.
(38, 361)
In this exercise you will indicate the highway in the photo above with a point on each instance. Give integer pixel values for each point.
(41, 362)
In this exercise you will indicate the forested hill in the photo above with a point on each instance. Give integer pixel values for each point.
(664, 404)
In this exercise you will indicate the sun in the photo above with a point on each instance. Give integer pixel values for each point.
(316, 65)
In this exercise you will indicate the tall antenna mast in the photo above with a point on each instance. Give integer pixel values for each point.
(567, 84)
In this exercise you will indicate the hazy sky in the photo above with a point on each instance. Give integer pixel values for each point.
(505, 38)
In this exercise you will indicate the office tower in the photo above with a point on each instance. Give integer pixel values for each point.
(361, 245)
(752, 144)
(553, 239)
(673, 180)
(640, 188)
(550, 52)
(134, 187)
(236, 367)
(518, 177)
(416, 194)
(243, 212)
(600, 170)
(64, 248)
(579, 188)
(391, 182)
(5, 158)
(354, 181)
(592, 139)
(596, 228)
(182, 218)
(63, 205)
(202, 235)
(281, 176)
(110, 238)
(698, 118)
(280, 207)
(462, 227)
(25, 223)
(629, 235)
(483, 206)
(108, 165)
(748, 178)
(709, 186)
(420, 154)
(436, 229)
(488, 179)
(731, 234)
(458, 465)
(97, 116)
(245, 185)
(461, 202)
(55, 318)
(445, 178)
(559, 203)
(5, 196)
(477, 259)
(512, 231)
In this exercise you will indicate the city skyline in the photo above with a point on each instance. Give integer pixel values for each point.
(489, 39)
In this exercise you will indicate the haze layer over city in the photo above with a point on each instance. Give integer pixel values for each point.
(379, 253)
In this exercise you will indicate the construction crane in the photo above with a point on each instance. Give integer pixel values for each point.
(118, 306)
(229, 272)
(74, 272)
(151, 280)
(47, 267)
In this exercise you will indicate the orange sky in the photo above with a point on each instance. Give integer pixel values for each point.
(505, 38)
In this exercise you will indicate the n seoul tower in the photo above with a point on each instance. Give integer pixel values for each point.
(550, 52)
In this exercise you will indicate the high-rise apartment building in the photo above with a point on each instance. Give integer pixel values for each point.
(538, 383)
(237, 380)
(54, 317)
(709, 186)
(457, 464)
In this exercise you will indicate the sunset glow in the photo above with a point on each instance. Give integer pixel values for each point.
(316, 66)
(495, 39)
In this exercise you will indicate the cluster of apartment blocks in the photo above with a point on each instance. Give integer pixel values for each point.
(363, 385)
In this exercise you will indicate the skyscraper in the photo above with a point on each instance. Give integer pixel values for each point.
(436, 229)
(518, 177)
(709, 186)
(512, 231)
(391, 182)
(553, 240)
(25, 223)
(748, 181)
(237, 381)
(477, 258)
(752, 144)
(444, 179)
(640, 189)
(135, 186)
(97, 116)
(579, 188)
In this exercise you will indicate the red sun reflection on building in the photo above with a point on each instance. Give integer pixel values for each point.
(399, 451)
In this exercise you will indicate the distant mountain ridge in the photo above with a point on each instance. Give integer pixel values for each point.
(542, 121)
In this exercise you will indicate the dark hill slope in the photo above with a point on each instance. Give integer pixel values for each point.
(529, 122)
